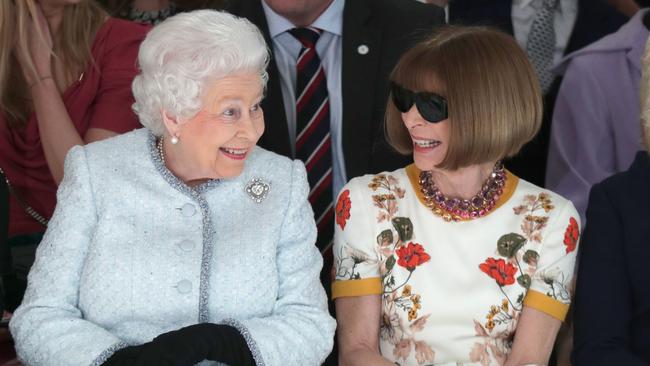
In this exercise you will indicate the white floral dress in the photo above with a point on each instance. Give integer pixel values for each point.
(452, 292)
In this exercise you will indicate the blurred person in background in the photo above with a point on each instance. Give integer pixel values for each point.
(548, 30)
(66, 69)
(595, 129)
(612, 318)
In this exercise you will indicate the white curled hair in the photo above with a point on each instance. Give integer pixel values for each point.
(645, 96)
(183, 55)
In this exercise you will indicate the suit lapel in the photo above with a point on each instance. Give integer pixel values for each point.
(276, 133)
(358, 83)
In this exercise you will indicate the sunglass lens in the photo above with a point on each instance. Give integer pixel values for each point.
(432, 107)
(402, 98)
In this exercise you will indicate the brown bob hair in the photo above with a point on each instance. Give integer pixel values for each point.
(495, 104)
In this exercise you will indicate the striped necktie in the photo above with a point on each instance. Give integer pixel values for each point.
(540, 46)
(313, 142)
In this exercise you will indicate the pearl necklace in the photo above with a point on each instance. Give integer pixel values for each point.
(159, 146)
(456, 209)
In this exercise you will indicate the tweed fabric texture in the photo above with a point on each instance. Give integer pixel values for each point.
(132, 252)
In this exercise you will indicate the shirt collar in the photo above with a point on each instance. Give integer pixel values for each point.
(330, 21)
(562, 4)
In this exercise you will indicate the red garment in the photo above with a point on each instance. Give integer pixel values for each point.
(101, 98)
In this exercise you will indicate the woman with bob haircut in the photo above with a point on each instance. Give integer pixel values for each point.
(66, 69)
(181, 242)
(454, 260)
(612, 300)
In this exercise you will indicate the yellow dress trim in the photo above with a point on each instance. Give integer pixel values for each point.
(545, 304)
(366, 286)
(511, 185)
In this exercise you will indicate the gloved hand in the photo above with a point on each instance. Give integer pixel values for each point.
(188, 346)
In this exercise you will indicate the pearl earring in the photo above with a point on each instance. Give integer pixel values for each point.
(174, 140)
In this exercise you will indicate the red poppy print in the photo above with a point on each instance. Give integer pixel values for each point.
(411, 256)
(500, 270)
(571, 235)
(343, 207)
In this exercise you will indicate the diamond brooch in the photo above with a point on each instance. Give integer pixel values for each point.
(257, 189)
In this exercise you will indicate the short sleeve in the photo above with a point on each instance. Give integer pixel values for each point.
(552, 285)
(356, 260)
(111, 109)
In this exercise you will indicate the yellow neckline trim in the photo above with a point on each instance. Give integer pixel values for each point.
(512, 181)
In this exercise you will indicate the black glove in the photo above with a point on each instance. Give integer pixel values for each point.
(188, 346)
(124, 357)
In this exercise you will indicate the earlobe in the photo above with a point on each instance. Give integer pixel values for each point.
(171, 123)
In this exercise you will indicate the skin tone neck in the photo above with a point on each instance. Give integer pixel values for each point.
(301, 16)
(182, 164)
(53, 14)
(464, 182)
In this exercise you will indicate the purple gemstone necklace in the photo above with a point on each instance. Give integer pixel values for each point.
(456, 209)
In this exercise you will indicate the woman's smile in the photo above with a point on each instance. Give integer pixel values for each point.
(234, 153)
(423, 145)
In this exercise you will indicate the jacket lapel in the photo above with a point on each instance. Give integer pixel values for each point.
(362, 42)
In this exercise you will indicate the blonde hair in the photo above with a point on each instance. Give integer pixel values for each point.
(645, 97)
(495, 104)
(72, 45)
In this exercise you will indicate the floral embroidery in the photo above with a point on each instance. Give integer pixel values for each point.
(501, 320)
(493, 347)
(396, 248)
(559, 289)
(347, 255)
(501, 271)
(571, 235)
(343, 207)
(533, 222)
(386, 202)
(411, 256)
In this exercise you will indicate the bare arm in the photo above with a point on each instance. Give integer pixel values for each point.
(534, 339)
(57, 131)
(358, 330)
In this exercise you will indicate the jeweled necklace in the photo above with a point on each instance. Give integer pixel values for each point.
(159, 146)
(456, 209)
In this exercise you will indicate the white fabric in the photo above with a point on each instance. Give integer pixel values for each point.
(437, 314)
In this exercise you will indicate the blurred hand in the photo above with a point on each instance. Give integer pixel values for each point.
(39, 48)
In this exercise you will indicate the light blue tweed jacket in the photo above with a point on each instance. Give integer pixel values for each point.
(131, 253)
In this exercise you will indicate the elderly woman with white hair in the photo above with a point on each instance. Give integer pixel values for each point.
(612, 306)
(182, 242)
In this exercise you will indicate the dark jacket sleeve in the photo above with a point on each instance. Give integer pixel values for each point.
(603, 301)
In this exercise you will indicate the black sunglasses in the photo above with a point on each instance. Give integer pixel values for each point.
(431, 106)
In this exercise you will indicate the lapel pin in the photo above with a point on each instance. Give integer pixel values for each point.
(363, 49)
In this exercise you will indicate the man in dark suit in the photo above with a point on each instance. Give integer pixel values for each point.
(360, 42)
(590, 20)
(374, 35)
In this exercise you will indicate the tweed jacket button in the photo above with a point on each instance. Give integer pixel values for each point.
(186, 245)
(184, 286)
(188, 210)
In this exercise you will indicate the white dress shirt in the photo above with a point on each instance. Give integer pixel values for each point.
(523, 14)
(286, 49)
